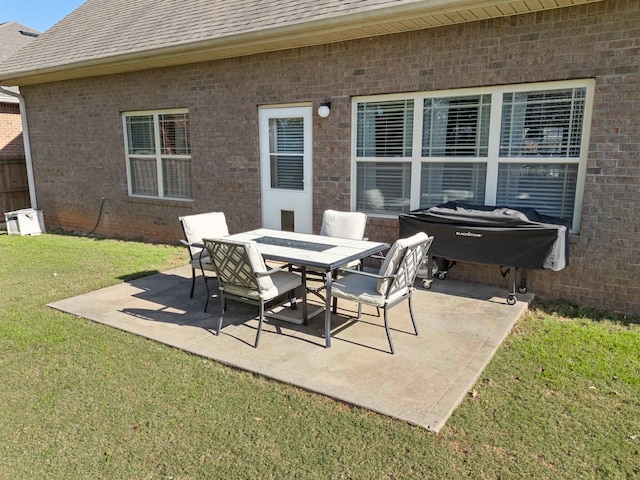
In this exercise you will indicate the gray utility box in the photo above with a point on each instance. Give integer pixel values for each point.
(24, 222)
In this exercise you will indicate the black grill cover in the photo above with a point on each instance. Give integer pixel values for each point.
(492, 235)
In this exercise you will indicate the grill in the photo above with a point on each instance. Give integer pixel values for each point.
(512, 238)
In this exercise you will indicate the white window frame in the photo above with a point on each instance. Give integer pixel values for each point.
(158, 155)
(493, 160)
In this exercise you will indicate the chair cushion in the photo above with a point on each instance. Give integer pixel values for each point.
(358, 288)
(390, 265)
(343, 224)
(258, 265)
(203, 225)
(394, 257)
(282, 282)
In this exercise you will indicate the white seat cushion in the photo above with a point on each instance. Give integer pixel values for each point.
(281, 282)
(343, 224)
(258, 265)
(358, 288)
(394, 257)
(203, 225)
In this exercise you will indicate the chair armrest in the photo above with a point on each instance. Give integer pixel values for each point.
(366, 274)
(273, 270)
(184, 242)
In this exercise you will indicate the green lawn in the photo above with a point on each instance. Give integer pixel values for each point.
(561, 398)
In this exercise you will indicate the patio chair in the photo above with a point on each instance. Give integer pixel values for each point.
(195, 228)
(392, 284)
(344, 225)
(341, 225)
(243, 277)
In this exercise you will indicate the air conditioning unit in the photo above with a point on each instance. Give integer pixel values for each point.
(24, 222)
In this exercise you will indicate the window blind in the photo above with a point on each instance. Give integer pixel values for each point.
(176, 175)
(165, 156)
(543, 123)
(144, 178)
(456, 127)
(174, 131)
(383, 187)
(286, 143)
(385, 129)
(140, 135)
(549, 188)
(445, 182)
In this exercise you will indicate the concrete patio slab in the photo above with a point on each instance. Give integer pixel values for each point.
(460, 327)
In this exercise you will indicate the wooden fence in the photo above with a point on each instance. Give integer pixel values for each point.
(14, 186)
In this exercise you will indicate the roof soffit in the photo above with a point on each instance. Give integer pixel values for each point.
(404, 17)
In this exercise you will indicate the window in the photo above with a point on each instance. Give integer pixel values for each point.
(515, 145)
(286, 152)
(385, 129)
(456, 126)
(158, 151)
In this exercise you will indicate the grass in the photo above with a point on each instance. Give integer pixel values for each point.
(561, 398)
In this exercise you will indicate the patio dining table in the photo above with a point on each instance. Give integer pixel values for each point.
(307, 250)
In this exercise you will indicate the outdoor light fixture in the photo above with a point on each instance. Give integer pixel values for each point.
(324, 110)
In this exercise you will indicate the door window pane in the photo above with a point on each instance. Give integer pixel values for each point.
(286, 149)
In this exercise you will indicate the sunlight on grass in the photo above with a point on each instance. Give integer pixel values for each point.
(561, 398)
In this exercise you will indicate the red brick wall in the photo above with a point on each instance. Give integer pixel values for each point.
(78, 152)
(11, 145)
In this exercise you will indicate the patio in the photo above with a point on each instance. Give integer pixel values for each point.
(461, 325)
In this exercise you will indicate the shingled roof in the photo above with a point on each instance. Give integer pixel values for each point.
(13, 37)
(112, 36)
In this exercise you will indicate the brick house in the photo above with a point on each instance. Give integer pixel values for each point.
(14, 187)
(11, 145)
(171, 108)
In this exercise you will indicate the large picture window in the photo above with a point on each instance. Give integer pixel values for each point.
(158, 152)
(514, 145)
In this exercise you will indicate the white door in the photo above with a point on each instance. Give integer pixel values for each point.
(286, 163)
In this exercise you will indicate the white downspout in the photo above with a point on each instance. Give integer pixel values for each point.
(27, 146)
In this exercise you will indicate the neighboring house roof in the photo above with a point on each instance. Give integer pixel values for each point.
(114, 36)
(13, 37)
